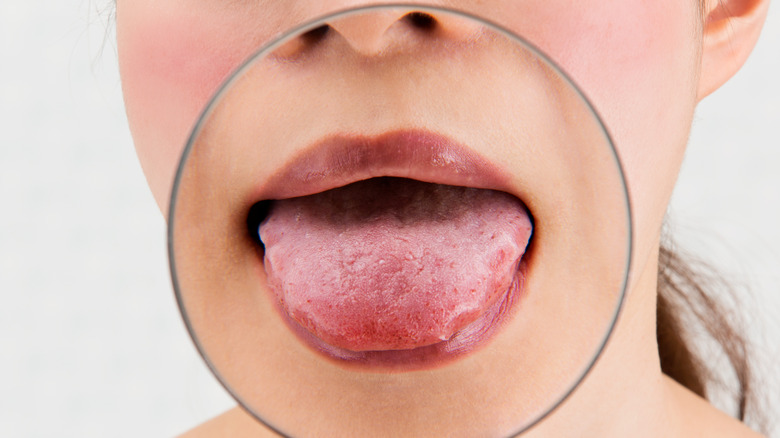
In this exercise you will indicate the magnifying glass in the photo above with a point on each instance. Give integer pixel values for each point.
(399, 220)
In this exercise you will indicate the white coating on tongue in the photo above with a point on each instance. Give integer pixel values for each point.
(392, 264)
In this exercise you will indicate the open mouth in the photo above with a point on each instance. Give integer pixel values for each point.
(395, 251)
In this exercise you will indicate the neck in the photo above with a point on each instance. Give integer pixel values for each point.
(625, 393)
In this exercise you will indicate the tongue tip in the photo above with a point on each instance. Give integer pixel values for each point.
(385, 339)
(373, 348)
(405, 330)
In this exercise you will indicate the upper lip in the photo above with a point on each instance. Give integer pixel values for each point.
(339, 160)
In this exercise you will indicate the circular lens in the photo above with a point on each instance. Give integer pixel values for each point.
(399, 221)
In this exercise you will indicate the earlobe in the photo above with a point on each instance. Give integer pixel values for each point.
(731, 29)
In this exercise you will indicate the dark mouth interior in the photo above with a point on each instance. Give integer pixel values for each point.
(257, 214)
(259, 211)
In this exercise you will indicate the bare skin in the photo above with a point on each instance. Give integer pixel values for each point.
(667, 408)
(173, 55)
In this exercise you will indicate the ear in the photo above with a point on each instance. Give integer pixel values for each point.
(731, 29)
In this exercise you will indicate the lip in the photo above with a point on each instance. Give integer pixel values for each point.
(339, 160)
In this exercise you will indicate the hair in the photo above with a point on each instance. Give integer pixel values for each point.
(688, 316)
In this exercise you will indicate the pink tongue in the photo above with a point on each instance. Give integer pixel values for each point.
(390, 263)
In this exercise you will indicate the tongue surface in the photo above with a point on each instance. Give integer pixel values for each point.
(390, 263)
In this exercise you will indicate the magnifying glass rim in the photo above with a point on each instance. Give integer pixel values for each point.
(317, 22)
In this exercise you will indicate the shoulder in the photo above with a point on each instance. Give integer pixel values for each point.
(701, 419)
(233, 423)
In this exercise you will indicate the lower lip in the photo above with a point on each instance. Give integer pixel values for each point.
(468, 340)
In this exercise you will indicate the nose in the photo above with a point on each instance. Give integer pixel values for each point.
(372, 32)
(368, 34)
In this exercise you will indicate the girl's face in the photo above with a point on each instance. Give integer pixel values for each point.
(637, 61)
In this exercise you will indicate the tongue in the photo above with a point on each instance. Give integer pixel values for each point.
(393, 264)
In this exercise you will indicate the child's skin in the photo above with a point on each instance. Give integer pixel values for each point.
(644, 64)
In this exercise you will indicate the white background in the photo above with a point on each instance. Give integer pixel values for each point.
(91, 342)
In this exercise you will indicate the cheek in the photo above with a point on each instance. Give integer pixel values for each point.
(633, 58)
(637, 62)
(172, 59)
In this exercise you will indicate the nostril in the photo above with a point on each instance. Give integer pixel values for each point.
(421, 20)
(316, 34)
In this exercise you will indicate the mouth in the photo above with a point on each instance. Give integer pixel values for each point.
(401, 251)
